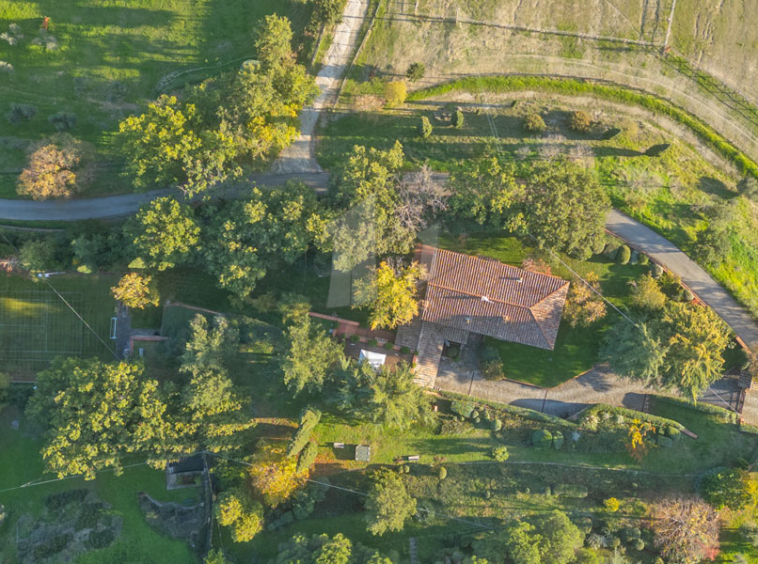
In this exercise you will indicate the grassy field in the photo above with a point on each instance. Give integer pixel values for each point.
(450, 51)
(138, 542)
(105, 59)
(669, 193)
(36, 325)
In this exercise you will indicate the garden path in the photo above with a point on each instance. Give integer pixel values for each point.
(299, 157)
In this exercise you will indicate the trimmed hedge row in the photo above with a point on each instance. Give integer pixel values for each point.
(629, 414)
(512, 409)
(726, 415)
(573, 86)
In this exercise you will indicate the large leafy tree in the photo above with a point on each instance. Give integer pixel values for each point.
(240, 118)
(545, 539)
(58, 167)
(485, 193)
(312, 355)
(634, 351)
(696, 339)
(274, 475)
(366, 181)
(390, 293)
(686, 529)
(136, 291)
(235, 509)
(322, 549)
(168, 146)
(389, 505)
(383, 396)
(730, 487)
(208, 348)
(164, 233)
(97, 413)
(247, 236)
(565, 208)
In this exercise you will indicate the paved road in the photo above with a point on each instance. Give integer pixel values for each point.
(666, 253)
(299, 157)
(128, 204)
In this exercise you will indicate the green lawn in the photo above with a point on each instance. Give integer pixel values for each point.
(114, 56)
(22, 463)
(36, 325)
(668, 193)
(576, 349)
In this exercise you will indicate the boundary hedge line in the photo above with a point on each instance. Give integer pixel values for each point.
(524, 412)
(725, 414)
(574, 86)
(630, 414)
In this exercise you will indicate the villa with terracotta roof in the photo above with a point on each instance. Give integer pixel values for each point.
(466, 295)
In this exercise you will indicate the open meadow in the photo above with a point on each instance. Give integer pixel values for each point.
(104, 60)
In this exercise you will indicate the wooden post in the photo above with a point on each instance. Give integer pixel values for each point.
(415, 9)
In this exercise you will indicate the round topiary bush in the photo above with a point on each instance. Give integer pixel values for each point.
(533, 123)
(637, 544)
(542, 439)
(442, 473)
(624, 255)
(580, 122)
(458, 119)
(475, 414)
(643, 259)
(673, 433)
(496, 425)
(557, 440)
(500, 453)
(687, 295)
(373, 342)
(657, 270)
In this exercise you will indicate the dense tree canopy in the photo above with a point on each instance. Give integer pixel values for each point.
(248, 236)
(312, 354)
(683, 349)
(164, 233)
(388, 505)
(240, 118)
(730, 487)
(565, 208)
(390, 294)
(322, 549)
(385, 396)
(96, 413)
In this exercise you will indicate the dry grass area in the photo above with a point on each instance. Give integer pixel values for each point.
(722, 39)
(404, 34)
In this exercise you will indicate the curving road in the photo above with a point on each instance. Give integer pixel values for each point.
(667, 254)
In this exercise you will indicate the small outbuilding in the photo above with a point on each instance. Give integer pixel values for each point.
(375, 359)
(363, 453)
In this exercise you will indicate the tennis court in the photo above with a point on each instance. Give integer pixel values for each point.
(37, 325)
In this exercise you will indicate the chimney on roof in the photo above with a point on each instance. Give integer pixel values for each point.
(519, 280)
(468, 319)
(486, 299)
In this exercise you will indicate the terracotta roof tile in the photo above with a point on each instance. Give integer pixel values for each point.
(491, 298)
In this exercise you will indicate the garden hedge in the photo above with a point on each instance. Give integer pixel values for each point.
(629, 414)
(570, 490)
(724, 414)
(510, 409)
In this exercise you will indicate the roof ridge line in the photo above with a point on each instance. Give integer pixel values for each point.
(491, 300)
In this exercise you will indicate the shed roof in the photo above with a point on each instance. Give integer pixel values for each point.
(490, 298)
(363, 453)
